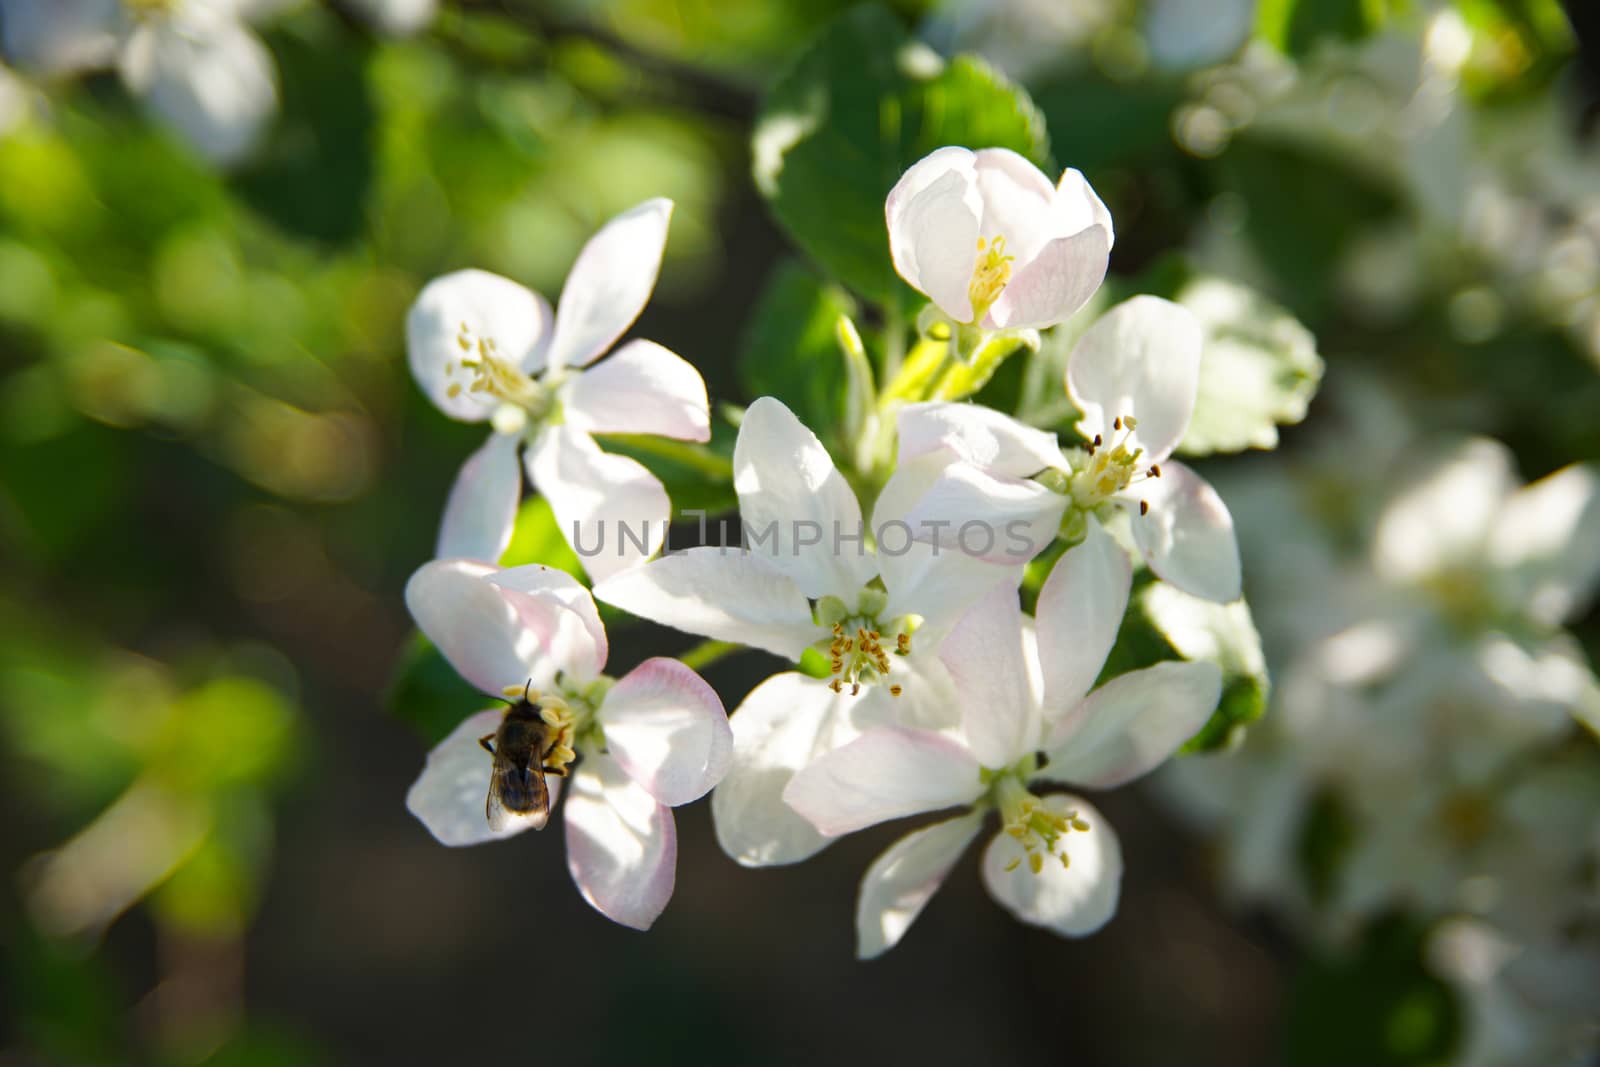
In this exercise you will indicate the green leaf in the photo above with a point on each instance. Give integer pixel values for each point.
(861, 105)
(1296, 27)
(1375, 1003)
(537, 539)
(1165, 623)
(428, 693)
(789, 349)
(1259, 371)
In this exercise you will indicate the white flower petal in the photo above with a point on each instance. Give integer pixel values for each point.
(1141, 358)
(1442, 519)
(979, 435)
(56, 37)
(1079, 611)
(562, 612)
(884, 774)
(1187, 536)
(1547, 540)
(641, 388)
(610, 283)
(450, 795)
(622, 845)
(1002, 520)
(900, 882)
(1074, 901)
(482, 510)
(795, 505)
(924, 578)
(667, 729)
(611, 509)
(1077, 205)
(476, 627)
(217, 88)
(1016, 199)
(717, 593)
(1059, 281)
(984, 653)
(492, 308)
(1132, 723)
(933, 214)
(786, 722)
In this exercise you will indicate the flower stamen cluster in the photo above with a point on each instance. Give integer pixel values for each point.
(491, 373)
(990, 275)
(1038, 828)
(1111, 469)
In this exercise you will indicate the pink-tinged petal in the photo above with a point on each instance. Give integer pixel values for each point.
(884, 774)
(924, 578)
(795, 505)
(557, 607)
(622, 845)
(1441, 519)
(1016, 202)
(784, 724)
(641, 388)
(610, 283)
(1059, 280)
(933, 214)
(667, 729)
(900, 882)
(1078, 614)
(978, 435)
(611, 509)
(1187, 534)
(1131, 724)
(1140, 359)
(482, 510)
(1001, 520)
(1073, 901)
(451, 794)
(492, 308)
(1546, 543)
(1077, 206)
(476, 627)
(999, 711)
(721, 593)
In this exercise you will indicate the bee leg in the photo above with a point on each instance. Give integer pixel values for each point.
(487, 741)
(559, 772)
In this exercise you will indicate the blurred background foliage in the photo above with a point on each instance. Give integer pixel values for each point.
(215, 475)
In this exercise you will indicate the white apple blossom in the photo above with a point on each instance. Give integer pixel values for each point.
(1134, 376)
(810, 577)
(647, 742)
(485, 349)
(194, 63)
(989, 239)
(1056, 863)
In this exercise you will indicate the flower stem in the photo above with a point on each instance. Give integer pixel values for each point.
(706, 653)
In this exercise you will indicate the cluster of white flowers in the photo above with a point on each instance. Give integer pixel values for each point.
(195, 64)
(922, 683)
(1427, 752)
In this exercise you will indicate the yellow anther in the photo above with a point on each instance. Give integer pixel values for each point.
(990, 275)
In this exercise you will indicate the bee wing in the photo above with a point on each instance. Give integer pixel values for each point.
(504, 820)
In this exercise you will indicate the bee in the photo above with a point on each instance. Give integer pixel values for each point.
(526, 747)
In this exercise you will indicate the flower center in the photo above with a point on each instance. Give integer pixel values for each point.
(989, 275)
(1110, 468)
(858, 645)
(572, 712)
(1040, 829)
(485, 370)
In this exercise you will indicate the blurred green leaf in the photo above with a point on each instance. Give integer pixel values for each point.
(1376, 1005)
(537, 539)
(1259, 370)
(1165, 623)
(860, 106)
(228, 732)
(789, 349)
(428, 693)
(313, 174)
(1298, 26)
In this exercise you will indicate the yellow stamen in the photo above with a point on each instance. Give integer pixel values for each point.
(990, 275)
